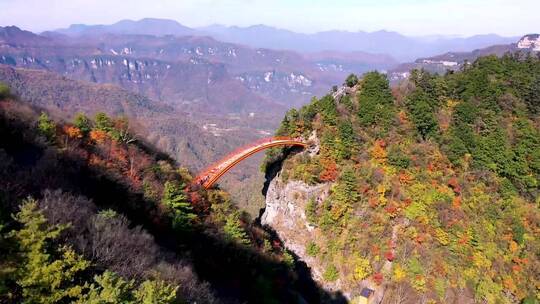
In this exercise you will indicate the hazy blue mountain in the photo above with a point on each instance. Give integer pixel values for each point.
(467, 44)
(13, 35)
(147, 26)
(397, 45)
(262, 36)
(403, 48)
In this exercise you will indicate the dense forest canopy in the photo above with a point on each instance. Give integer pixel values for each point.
(440, 176)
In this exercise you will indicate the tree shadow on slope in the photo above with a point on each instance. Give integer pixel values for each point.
(238, 274)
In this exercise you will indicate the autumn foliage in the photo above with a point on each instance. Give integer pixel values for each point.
(98, 136)
(448, 172)
(330, 172)
(379, 151)
(72, 132)
(125, 207)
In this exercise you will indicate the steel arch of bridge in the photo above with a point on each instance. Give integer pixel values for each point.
(209, 176)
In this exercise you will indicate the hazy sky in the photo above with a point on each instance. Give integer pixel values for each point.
(413, 17)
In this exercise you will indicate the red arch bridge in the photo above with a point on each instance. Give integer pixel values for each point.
(209, 176)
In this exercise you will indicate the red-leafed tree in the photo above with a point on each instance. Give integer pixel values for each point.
(389, 255)
(454, 184)
(330, 172)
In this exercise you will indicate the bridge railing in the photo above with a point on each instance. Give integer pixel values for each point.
(238, 152)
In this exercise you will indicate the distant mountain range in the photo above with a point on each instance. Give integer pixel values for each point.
(452, 61)
(401, 47)
(394, 44)
(197, 72)
(147, 26)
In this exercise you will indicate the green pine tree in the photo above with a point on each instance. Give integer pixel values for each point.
(328, 109)
(532, 96)
(108, 288)
(46, 127)
(351, 80)
(46, 274)
(111, 288)
(375, 99)
(346, 144)
(82, 122)
(103, 122)
(4, 91)
(422, 113)
(181, 210)
(155, 292)
(234, 231)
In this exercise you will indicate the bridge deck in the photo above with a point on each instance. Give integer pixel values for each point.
(209, 176)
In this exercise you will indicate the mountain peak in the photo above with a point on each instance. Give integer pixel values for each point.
(13, 30)
(17, 36)
(146, 26)
(530, 41)
(151, 21)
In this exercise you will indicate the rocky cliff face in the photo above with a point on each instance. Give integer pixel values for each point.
(285, 213)
(531, 42)
(286, 203)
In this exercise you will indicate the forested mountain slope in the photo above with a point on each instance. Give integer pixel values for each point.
(159, 122)
(171, 130)
(428, 193)
(101, 216)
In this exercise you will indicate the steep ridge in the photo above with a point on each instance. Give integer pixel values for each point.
(426, 193)
(79, 172)
(125, 213)
(156, 121)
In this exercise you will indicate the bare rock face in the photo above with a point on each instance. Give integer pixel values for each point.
(285, 213)
(531, 41)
